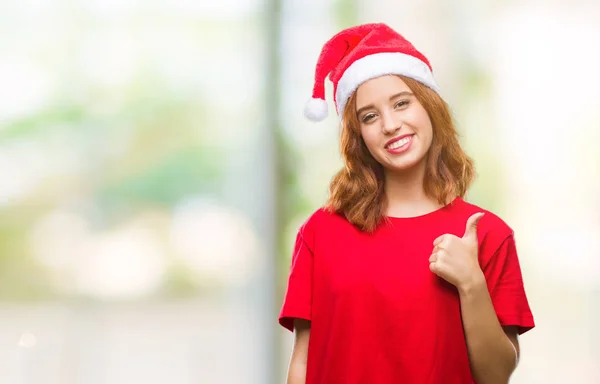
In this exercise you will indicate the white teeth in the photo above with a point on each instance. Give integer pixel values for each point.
(399, 143)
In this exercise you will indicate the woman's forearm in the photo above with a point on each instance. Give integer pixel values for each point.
(491, 352)
(297, 368)
(296, 373)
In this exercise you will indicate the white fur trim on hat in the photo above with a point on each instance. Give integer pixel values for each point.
(379, 64)
(316, 109)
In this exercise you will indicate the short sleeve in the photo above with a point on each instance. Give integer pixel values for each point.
(505, 284)
(298, 296)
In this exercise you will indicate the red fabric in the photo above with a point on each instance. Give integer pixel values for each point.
(369, 39)
(354, 43)
(378, 314)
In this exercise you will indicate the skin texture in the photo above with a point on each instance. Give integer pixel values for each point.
(387, 109)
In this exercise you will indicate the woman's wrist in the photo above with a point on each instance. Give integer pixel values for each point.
(473, 285)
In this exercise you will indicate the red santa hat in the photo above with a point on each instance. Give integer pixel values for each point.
(361, 53)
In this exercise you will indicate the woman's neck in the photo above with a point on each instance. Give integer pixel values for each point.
(406, 195)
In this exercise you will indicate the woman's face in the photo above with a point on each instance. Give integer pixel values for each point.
(394, 125)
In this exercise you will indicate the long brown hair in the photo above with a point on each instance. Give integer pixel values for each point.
(357, 190)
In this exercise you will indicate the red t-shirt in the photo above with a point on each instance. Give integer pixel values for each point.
(378, 314)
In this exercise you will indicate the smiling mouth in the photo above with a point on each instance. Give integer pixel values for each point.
(399, 143)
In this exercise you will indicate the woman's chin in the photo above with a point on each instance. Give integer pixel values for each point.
(401, 165)
(399, 168)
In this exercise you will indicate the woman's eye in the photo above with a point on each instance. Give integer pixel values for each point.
(401, 104)
(368, 117)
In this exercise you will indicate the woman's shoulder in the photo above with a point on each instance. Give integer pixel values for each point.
(491, 224)
(324, 223)
(323, 217)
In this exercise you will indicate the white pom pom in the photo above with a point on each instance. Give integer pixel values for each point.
(315, 109)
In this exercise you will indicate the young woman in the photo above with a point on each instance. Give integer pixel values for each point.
(398, 279)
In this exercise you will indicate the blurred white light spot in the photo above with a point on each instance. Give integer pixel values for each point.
(57, 238)
(25, 87)
(27, 340)
(121, 67)
(126, 263)
(212, 9)
(569, 256)
(215, 241)
(100, 7)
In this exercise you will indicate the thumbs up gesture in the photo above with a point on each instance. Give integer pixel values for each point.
(456, 259)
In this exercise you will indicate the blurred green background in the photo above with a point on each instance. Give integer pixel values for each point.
(155, 166)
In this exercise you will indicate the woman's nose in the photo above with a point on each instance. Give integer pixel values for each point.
(391, 123)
